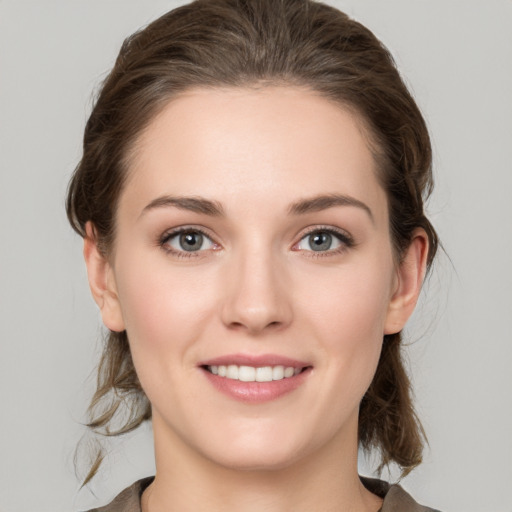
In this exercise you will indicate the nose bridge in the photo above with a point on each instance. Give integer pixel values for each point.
(257, 295)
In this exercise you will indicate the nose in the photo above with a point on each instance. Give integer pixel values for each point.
(258, 294)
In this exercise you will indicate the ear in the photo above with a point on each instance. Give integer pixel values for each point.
(102, 282)
(410, 275)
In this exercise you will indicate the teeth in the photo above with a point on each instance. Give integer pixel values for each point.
(252, 374)
(264, 374)
(232, 372)
(247, 374)
(288, 372)
(278, 373)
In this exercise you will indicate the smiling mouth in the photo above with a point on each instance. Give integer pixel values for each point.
(254, 374)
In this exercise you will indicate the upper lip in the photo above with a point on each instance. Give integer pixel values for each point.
(254, 360)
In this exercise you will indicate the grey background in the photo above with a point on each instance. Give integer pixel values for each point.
(457, 58)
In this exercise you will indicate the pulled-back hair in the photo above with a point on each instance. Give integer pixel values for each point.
(242, 43)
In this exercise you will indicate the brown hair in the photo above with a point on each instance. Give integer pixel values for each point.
(215, 43)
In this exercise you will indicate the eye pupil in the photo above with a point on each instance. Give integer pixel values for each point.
(320, 241)
(191, 241)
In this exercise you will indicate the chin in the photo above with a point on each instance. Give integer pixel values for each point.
(269, 451)
(261, 461)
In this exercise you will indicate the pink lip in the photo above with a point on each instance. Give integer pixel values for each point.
(255, 360)
(256, 392)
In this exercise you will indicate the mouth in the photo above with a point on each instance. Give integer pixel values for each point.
(255, 379)
(254, 373)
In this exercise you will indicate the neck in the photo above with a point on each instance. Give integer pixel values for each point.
(324, 481)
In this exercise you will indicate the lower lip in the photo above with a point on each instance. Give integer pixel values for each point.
(256, 392)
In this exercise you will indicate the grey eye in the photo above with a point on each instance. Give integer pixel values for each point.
(319, 241)
(190, 241)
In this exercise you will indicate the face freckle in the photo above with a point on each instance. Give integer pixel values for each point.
(288, 260)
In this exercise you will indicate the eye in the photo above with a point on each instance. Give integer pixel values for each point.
(187, 240)
(324, 240)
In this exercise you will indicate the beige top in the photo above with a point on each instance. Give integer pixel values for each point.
(395, 498)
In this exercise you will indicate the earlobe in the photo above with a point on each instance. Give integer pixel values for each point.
(102, 282)
(410, 275)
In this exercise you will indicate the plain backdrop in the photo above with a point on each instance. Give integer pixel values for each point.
(456, 57)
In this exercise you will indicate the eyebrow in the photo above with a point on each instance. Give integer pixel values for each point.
(193, 204)
(215, 209)
(323, 202)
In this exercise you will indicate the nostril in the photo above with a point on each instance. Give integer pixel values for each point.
(236, 325)
(252, 327)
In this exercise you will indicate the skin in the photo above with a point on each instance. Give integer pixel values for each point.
(256, 287)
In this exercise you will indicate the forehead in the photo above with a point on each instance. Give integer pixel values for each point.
(277, 143)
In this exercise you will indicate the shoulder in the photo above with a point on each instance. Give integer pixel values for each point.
(395, 498)
(128, 500)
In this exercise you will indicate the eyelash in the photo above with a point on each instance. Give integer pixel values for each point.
(169, 235)
(343, 237)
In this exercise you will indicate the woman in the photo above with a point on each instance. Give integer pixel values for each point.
(251, 202)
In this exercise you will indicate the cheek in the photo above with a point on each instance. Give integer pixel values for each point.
(163, 306)
(165, 311)
(349, 318)
(353, 304)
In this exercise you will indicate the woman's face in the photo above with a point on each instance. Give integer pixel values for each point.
(254, 274)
